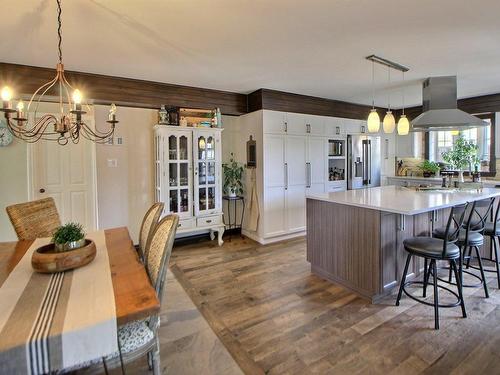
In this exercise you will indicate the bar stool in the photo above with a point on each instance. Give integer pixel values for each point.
(434, 249)
(492, 230)
(471, 237)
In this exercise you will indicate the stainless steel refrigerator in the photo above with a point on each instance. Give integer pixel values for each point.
(363, 161)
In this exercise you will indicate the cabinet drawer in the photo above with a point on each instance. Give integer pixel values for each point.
(207, 221)
(185, 224)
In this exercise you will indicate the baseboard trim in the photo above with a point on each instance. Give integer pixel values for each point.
(266, 241)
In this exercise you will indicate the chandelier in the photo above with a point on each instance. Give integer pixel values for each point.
(67, 124)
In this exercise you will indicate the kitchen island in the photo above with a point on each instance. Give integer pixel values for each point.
(355, 237)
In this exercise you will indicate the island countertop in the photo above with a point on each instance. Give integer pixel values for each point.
(402, 200)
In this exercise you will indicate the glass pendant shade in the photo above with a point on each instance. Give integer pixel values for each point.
(455, 132)
(373, 121)
(403, 125)
(389, 122)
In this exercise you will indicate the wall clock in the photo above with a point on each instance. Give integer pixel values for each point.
(5, 134)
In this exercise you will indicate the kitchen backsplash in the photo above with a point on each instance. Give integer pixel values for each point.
(408, 167)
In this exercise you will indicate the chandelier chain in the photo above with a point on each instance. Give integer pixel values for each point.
(59, 30)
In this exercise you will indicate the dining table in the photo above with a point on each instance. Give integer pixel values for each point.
(134, 296)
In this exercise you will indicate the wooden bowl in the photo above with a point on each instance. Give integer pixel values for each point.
(46, 259)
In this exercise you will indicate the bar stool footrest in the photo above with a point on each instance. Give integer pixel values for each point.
(420, 300)
(484, 269)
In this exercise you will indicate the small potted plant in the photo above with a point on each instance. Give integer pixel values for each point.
(69, 237)
(233, 172)
(429, 168)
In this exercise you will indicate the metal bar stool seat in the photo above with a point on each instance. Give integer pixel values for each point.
(434, 250)
(491, 229)
(431, 248)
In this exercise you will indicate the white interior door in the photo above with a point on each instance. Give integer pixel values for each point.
(296, 158)
(66, 173)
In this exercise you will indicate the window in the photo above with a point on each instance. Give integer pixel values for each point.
(444, 139)
(438, 142)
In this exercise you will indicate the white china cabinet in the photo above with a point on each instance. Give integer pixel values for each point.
(188, 177)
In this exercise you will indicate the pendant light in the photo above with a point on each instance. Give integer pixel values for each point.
(389, 120)
(403, 123)
(454, 132)
(373, 117)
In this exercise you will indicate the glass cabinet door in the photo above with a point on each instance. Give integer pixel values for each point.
(206, 192)
(179, 154)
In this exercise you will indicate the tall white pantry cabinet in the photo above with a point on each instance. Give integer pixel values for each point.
(188, 177)
(295, 155)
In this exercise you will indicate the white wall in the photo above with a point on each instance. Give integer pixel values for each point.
(125, 192)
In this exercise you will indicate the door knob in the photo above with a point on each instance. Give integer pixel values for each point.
(42, 190)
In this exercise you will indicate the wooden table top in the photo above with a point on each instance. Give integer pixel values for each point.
(135, 297)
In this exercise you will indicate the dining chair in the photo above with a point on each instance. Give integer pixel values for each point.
(147, 228)
(140, 337)
(34, 219)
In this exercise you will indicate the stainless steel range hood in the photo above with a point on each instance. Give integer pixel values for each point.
(440, 108)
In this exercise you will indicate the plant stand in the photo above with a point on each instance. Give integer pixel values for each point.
(233, 223)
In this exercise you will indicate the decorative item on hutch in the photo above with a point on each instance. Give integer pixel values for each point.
(68, 125)
(162, 116)
(188, 177)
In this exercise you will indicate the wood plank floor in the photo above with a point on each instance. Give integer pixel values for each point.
(275, 317)
(188, 346)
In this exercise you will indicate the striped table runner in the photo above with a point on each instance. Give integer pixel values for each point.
(57, 321)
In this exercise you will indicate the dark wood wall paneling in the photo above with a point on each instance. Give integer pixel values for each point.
(124, 91)
(288, 102)
(475, 105)
(147, 94)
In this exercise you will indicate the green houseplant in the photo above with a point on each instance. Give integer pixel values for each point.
(429, 168)
(68, 237)
(463, 155)
(233, 172)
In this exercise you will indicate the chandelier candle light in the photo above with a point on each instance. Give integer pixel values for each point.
(68, 124)
(389, 122)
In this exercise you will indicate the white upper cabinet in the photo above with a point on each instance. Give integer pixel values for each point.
(296, 124)
(315, 125)
(334, 127)
(274, 122)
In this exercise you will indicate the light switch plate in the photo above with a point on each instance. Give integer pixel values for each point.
(112, 163)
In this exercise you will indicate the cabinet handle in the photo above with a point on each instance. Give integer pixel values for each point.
(308, 173)
(337, 130)
(209, 221)
(402, 222)
(308, 128)
(286, 126)
(286, 176)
